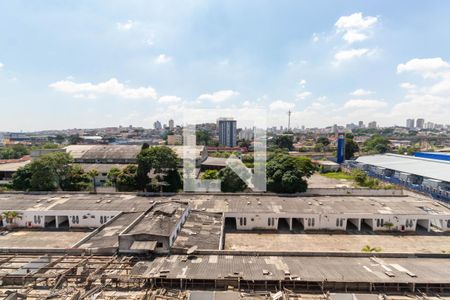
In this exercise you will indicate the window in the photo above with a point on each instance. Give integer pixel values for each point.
(159, 245)
(309, 221)
(337, 222)
(312, 222)
(378, 222)
(252, 219)
(341, 222)
(77, 219)
(245, 221)
(101, 219)
(448, 223)
(382, 222)
(268, 221)
(240, 221)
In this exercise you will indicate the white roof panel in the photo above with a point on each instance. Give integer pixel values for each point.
(431, 168)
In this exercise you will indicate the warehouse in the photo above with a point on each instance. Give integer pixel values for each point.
(430, 176)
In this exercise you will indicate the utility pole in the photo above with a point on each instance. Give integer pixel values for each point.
(289, 120)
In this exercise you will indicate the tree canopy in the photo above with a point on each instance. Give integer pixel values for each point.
(158, 160)
(230, 181)
(287, 174)
(351, 147)
(284, 141)
(50, 172)
(377, 143)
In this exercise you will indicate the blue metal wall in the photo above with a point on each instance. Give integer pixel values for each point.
(437, 194)
(340, 149)
(433, 155)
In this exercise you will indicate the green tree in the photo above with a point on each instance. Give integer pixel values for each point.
(351, 147)
(74, 139)
(92, 174)
(284, 141)
(210, 174)
(76, 179)
(287, 174)
(323, 140)
(230, 181)
(157, 160)
(378, 144)
(21, 180)
(203, 137)
(112, 175)
(126, 180)
(14, 152)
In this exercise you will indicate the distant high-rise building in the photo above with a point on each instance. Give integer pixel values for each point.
(227, 132)
(157, 125)
(171, 124)
(420, 123)
(429, 125)
(334, 129)
(361, 124)
(410, 123)
(372, 125)
(351, 126)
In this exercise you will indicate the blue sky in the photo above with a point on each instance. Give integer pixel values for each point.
(80, 64)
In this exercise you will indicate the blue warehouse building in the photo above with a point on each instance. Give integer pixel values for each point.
(430, 176)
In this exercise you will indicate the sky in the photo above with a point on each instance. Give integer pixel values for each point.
(88, 63)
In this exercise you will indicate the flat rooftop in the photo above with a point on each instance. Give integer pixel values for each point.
(301, 268)
(78, 201)
(108, 236)
(337, 242)
(201, 229)
(319, 204)
(41, 239)
(231, 203)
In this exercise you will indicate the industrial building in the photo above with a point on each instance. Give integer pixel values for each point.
(107, 244)
(427, 175)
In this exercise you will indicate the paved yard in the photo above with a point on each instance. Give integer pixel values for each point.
(337, 242)
(41, 239)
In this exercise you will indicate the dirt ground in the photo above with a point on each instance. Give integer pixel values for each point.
(40, 239)
(337, 242)
(319, 181)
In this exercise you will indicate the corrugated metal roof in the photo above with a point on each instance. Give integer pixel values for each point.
(431, 168)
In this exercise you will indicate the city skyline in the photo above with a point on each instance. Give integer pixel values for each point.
(136, 64)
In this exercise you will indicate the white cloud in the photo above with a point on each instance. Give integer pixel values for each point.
(361, 92)
(427, 67)
(352, 36)
(281, 105)
(407, 85)
(162, 59)
(169, 99)
(111, 87)
(355, 27)
(1, 65)
(315, 38)
(218, 96)
(364, 104)
(302, 82)
(125, 26)
(303, 95)
(344, 55)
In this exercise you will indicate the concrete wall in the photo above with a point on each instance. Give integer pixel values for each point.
(376, 222)
(76, 218)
